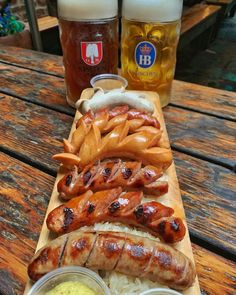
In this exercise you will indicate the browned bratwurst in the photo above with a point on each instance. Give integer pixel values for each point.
(106, 120)
(132, 114)
(111, 174)
(115, 206)
(122, 252)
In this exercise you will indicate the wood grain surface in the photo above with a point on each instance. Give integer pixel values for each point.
(35, 143)
(34, 60)
(208, 193)
(220, 2)
(33, 133)
(195, 15)
(47, 22)
(24, 195)
(203, 99)
(202, 136)
(226, 5)
(35, 87)
(215, 269)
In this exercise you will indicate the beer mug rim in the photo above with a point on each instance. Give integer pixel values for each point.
(95, 21)
(152, 10)
(87, 9)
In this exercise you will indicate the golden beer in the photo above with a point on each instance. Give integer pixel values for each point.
(148, 55)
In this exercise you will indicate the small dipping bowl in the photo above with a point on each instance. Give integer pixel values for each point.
(160, 291)
(69, 274)
(108, 82)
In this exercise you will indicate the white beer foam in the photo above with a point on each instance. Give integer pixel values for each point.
(87, 9)
(152, 10)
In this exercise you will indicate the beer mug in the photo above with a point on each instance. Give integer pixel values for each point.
(89, 39)
(150, 35)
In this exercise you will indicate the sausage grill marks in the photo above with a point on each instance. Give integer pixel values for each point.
(115, 206)
(101, 185)
(111, 174)
(122, 252)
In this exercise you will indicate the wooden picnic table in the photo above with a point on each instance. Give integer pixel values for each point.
(227, 5)
(35, 118)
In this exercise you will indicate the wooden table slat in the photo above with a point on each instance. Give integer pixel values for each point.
(208, 193)
(34, 60)
(32, 132)
(200, 135)
(204, 99)
(47, 22)
(227, 5)
(35, 87)
(24, 197)
(38, 141)
(197, 14)
(217, 276)
(219, 2)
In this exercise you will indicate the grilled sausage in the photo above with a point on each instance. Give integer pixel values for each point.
(121, 252)
(89, 145)
(106, 120)
(111, 174)
(131, 114)
(115, 206)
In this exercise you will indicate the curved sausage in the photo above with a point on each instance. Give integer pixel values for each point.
(115, 251)
(148, 120)
(115, 206)
(111, 174)
(106, 120)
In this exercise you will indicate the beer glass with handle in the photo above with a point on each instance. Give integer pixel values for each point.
(89, 39)
(150, 35)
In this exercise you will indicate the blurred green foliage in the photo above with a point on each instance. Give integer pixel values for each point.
(8, 22)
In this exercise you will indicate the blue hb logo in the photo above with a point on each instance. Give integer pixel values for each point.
(145, 54)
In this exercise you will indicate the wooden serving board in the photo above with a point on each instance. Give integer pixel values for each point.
(172, 198)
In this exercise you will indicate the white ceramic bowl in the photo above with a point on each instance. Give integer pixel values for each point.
(70, 273)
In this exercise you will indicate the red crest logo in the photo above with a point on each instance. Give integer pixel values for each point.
(92, 52)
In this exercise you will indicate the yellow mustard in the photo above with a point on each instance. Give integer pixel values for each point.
(71, 288)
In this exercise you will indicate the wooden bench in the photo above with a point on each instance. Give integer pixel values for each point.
(228, 6)
(198, 20)
(49, 31)
(47, 22)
